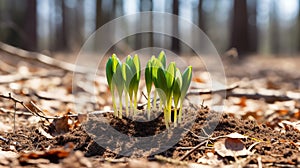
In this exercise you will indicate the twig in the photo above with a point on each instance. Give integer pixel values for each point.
(192, 150)
(17, 77)
(202, 92)
(231, 93)
(121, 160)
(4, 139)
(170, 160)
(6, 67)
(145, 96)
(259, 164)
(251, 146)
(205, 140)
(43, 59)
(15, 110)
(10, 97)
(256, 96)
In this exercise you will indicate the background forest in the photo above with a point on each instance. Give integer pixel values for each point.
(267, 27)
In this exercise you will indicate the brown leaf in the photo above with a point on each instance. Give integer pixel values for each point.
(198, 80)
(231, 147)
(242, 102)
(236, 135)
(282, 112)
(53, 154)
(60, 126)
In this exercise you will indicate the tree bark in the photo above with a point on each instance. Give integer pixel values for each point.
(30, 25)
(175, 26)
(239, 34)
(201, 20)
(252, 25)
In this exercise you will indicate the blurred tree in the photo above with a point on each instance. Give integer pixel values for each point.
(274, 29)
(145, 39)
(30, 25)
(175, 26)
(252, 25)
(201, 20)
(239, 34)
(60, 43)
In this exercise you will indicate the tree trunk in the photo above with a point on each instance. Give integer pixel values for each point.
(60, 29)
(201, 20)
(252, 25)
(175, 26)
(30, 25)
(239, 34)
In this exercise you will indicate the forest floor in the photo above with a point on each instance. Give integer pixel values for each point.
(260, 125)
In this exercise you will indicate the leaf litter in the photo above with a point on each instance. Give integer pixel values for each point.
(251, 132)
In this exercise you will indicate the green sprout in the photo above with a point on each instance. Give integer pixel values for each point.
(169, 84)
(127, 76)
(149, 82)
(186, 81)
(111, 68)
(177, 93)
(119, 82)
(136, 79)
(163, 81)
(162, 58)
(132, 75)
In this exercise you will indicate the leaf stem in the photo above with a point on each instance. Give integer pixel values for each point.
(169, 106)
(160, 105)
(149, 106)
(154, 99)
(175, 116)
(180, 111)
(114, 102)
(126, 103)
(135, 104)
(166, 118)
(121, 106)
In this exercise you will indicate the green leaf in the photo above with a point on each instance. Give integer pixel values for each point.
(137, 75)
(186, 81)
(137, 65)
(161, 84)
(170, 74)
(148, 76)
(115, 62)
(177, 87)
(127, 75)
(109, 72)
(130, 63)
(162, 58)
(118, 78)
(155, 65)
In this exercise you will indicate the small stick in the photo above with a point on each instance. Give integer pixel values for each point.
(4, 139)
(192, 150)
(170, 160)
(44, 59)
(202, 92)
(15, 110)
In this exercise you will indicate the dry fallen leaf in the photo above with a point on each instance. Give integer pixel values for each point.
(53, 155)
(243, 102)
(231, 147)
(287, 124)
(210, 158)
(198, 80)
(59, 126)
(236, 135)
(44, 133)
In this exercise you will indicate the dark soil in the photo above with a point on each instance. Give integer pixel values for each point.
(275, 148)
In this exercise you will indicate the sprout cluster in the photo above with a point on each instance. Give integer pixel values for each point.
(124, 77)
(169, 84)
